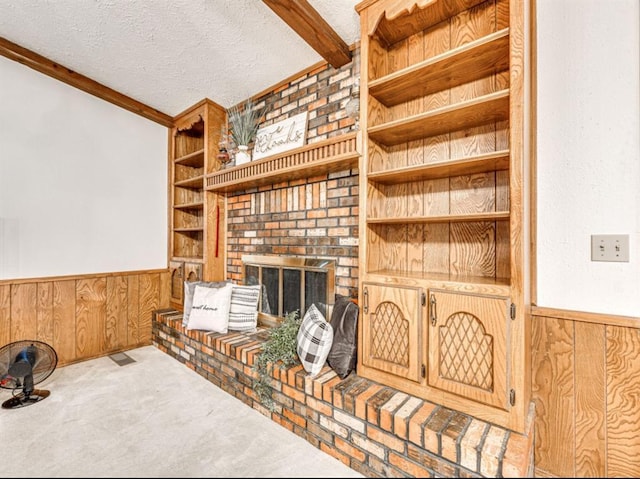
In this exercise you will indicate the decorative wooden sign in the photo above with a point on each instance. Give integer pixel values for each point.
(281, 136)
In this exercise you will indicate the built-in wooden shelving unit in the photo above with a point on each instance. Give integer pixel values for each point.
(326, 156)
(442, 230)
(195, 235)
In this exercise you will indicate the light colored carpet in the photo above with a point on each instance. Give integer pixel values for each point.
(151, 418)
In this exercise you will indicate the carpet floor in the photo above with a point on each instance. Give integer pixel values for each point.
(152, 417)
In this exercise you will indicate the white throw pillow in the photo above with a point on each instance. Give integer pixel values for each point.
(189, 288)
(315, 338)
(210, 309)
(243, 314)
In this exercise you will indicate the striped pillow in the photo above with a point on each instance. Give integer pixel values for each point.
(243, 315)
(315, 338)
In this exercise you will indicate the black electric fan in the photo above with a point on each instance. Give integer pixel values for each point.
(23, 364)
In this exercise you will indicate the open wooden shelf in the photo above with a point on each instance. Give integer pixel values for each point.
(494, 161)
(196, 205)
(489, 216)
(469, 62)
(196, 182)
(401, 22)
(476, 112)
(501, 283)
(195, 159)
(334, 154)
(190, 259)
(198, 229)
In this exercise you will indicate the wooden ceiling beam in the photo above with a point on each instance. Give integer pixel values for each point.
(70, 77)
(307, 22)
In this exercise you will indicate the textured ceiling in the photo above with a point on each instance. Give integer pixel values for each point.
(170, 54)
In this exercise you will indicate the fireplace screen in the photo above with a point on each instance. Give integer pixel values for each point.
(291, 283)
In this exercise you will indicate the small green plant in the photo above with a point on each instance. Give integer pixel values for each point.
(280, 350)
(244, 121)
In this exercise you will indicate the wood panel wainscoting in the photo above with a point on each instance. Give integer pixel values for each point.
(83, 316)
(586, 378)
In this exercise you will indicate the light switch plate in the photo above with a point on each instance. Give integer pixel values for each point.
(610, 248)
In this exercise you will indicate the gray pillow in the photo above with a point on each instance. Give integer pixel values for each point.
(189, 289)
(344, 322)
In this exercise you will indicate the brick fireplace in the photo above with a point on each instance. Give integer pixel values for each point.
(314, 217)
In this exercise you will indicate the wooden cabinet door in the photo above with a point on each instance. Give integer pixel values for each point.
(176, 273)
(468, 339)
(392, 330)
(193, 272)
(180, 272)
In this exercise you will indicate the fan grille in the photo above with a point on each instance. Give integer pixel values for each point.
(46, 360)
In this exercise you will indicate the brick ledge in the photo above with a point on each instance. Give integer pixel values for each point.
(376, 430)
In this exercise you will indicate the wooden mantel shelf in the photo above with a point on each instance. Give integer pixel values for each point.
(326, 156)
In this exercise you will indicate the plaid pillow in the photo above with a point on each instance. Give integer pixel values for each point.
(243, 315)
(315, 337)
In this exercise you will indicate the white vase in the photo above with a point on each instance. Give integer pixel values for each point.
(243, 155)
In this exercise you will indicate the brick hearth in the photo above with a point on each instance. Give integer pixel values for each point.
(374, 429)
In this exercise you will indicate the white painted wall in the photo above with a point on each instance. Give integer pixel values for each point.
(83, 183)
(588, 152)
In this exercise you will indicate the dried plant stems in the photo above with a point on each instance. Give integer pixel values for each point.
(244, 120)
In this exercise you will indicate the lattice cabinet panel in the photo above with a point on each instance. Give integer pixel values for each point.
(390, 334)
(392, 337)
(468, 353)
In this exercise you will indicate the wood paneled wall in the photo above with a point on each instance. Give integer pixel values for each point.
(586, 388)
(86, 316)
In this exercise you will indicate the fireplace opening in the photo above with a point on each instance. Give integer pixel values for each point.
(290, 283)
